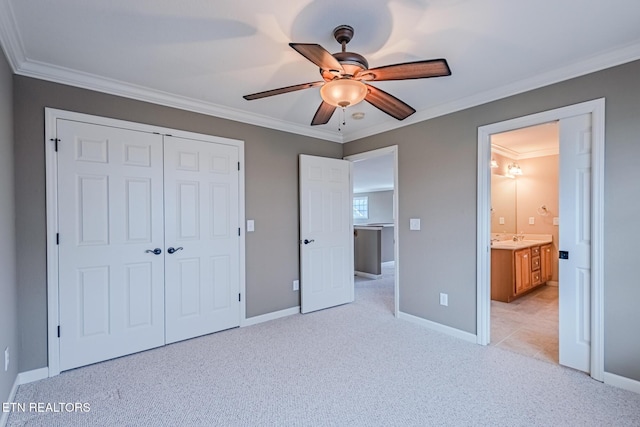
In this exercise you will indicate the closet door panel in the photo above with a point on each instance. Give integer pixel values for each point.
(202, 211)
(110, 212)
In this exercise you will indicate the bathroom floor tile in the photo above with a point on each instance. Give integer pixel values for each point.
(528, 325)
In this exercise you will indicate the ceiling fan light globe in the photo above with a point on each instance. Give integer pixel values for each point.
(343, 92)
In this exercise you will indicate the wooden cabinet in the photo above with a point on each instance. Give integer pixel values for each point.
(546, 263)
(522, 266)
(516, 272)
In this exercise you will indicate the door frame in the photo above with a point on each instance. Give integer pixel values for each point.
(51, 173)
(393, 149)
(596, 108)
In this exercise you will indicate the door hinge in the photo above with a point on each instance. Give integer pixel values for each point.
(58, 331)
(55, 140)
(238, 231)
(57, 238)
(238, 165)
(239, 299)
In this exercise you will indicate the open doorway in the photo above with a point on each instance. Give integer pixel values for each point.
(524, 240)
(581, 328)
(375, 207)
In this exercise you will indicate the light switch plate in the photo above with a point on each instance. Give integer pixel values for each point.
(532, 220)
(251, 226)
(414, 224)
(556, 220)
(444, 299)
(501, 220)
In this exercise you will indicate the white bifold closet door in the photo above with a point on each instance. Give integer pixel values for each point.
(201, 217)
(124, 198)
(110, 212)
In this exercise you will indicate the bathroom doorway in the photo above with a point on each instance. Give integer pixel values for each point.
(581, 302)
(374, 178)
(525, 229)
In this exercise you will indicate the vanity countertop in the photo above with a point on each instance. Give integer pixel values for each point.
(511, 245)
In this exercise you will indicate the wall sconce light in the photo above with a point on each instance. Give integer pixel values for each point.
(514, 169)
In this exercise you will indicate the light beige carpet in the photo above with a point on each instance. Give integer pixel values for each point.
(351, 365)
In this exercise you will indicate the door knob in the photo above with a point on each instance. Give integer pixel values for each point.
(173, 250)
(156, 251)
(306, 242)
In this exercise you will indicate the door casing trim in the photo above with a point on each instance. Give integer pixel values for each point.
(51, 173)
(596, 108)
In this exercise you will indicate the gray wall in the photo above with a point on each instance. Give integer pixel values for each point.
(380, 207)
(442, 257)
(271, 175)
(8, 283)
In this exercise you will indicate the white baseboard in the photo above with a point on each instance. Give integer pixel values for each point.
(367, 275)
(4, 416)
(34, 375)
(271, 316)
(466, 336)
(622, 382)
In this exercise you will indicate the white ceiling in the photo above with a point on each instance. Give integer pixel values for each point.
(204, 55)
(374, 174)
(525, 143)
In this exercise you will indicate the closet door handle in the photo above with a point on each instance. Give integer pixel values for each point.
(172, 250)
(156, 251)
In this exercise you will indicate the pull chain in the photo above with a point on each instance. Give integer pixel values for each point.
(343, 122)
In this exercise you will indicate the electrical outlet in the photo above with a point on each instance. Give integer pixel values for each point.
(444, 299)
(296, 285)
(6, 359)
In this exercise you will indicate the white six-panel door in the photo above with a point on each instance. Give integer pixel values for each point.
(201, 216)
(575, 238)
(149, 249)
(326, 233)
(111, 289)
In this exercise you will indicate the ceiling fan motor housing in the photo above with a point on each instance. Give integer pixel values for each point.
(343, 33)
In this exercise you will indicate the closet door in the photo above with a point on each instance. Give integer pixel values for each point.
(110, 218)
(202, 282)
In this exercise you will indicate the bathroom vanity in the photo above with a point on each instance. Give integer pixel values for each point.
(518, 267)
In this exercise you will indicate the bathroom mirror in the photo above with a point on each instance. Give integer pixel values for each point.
(503, 204)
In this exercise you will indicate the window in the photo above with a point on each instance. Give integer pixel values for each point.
(361, 207)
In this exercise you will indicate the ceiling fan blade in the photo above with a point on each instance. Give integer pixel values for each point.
(318, 55)
(388, 103)
(409, 70)
(324, 113)
(281, 90)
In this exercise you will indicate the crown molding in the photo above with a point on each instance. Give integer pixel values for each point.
(597, 62)
(9, 36)
(372, 190)
(89, 81)
(515, 155)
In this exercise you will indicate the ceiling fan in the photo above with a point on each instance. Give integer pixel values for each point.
(344, 75)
